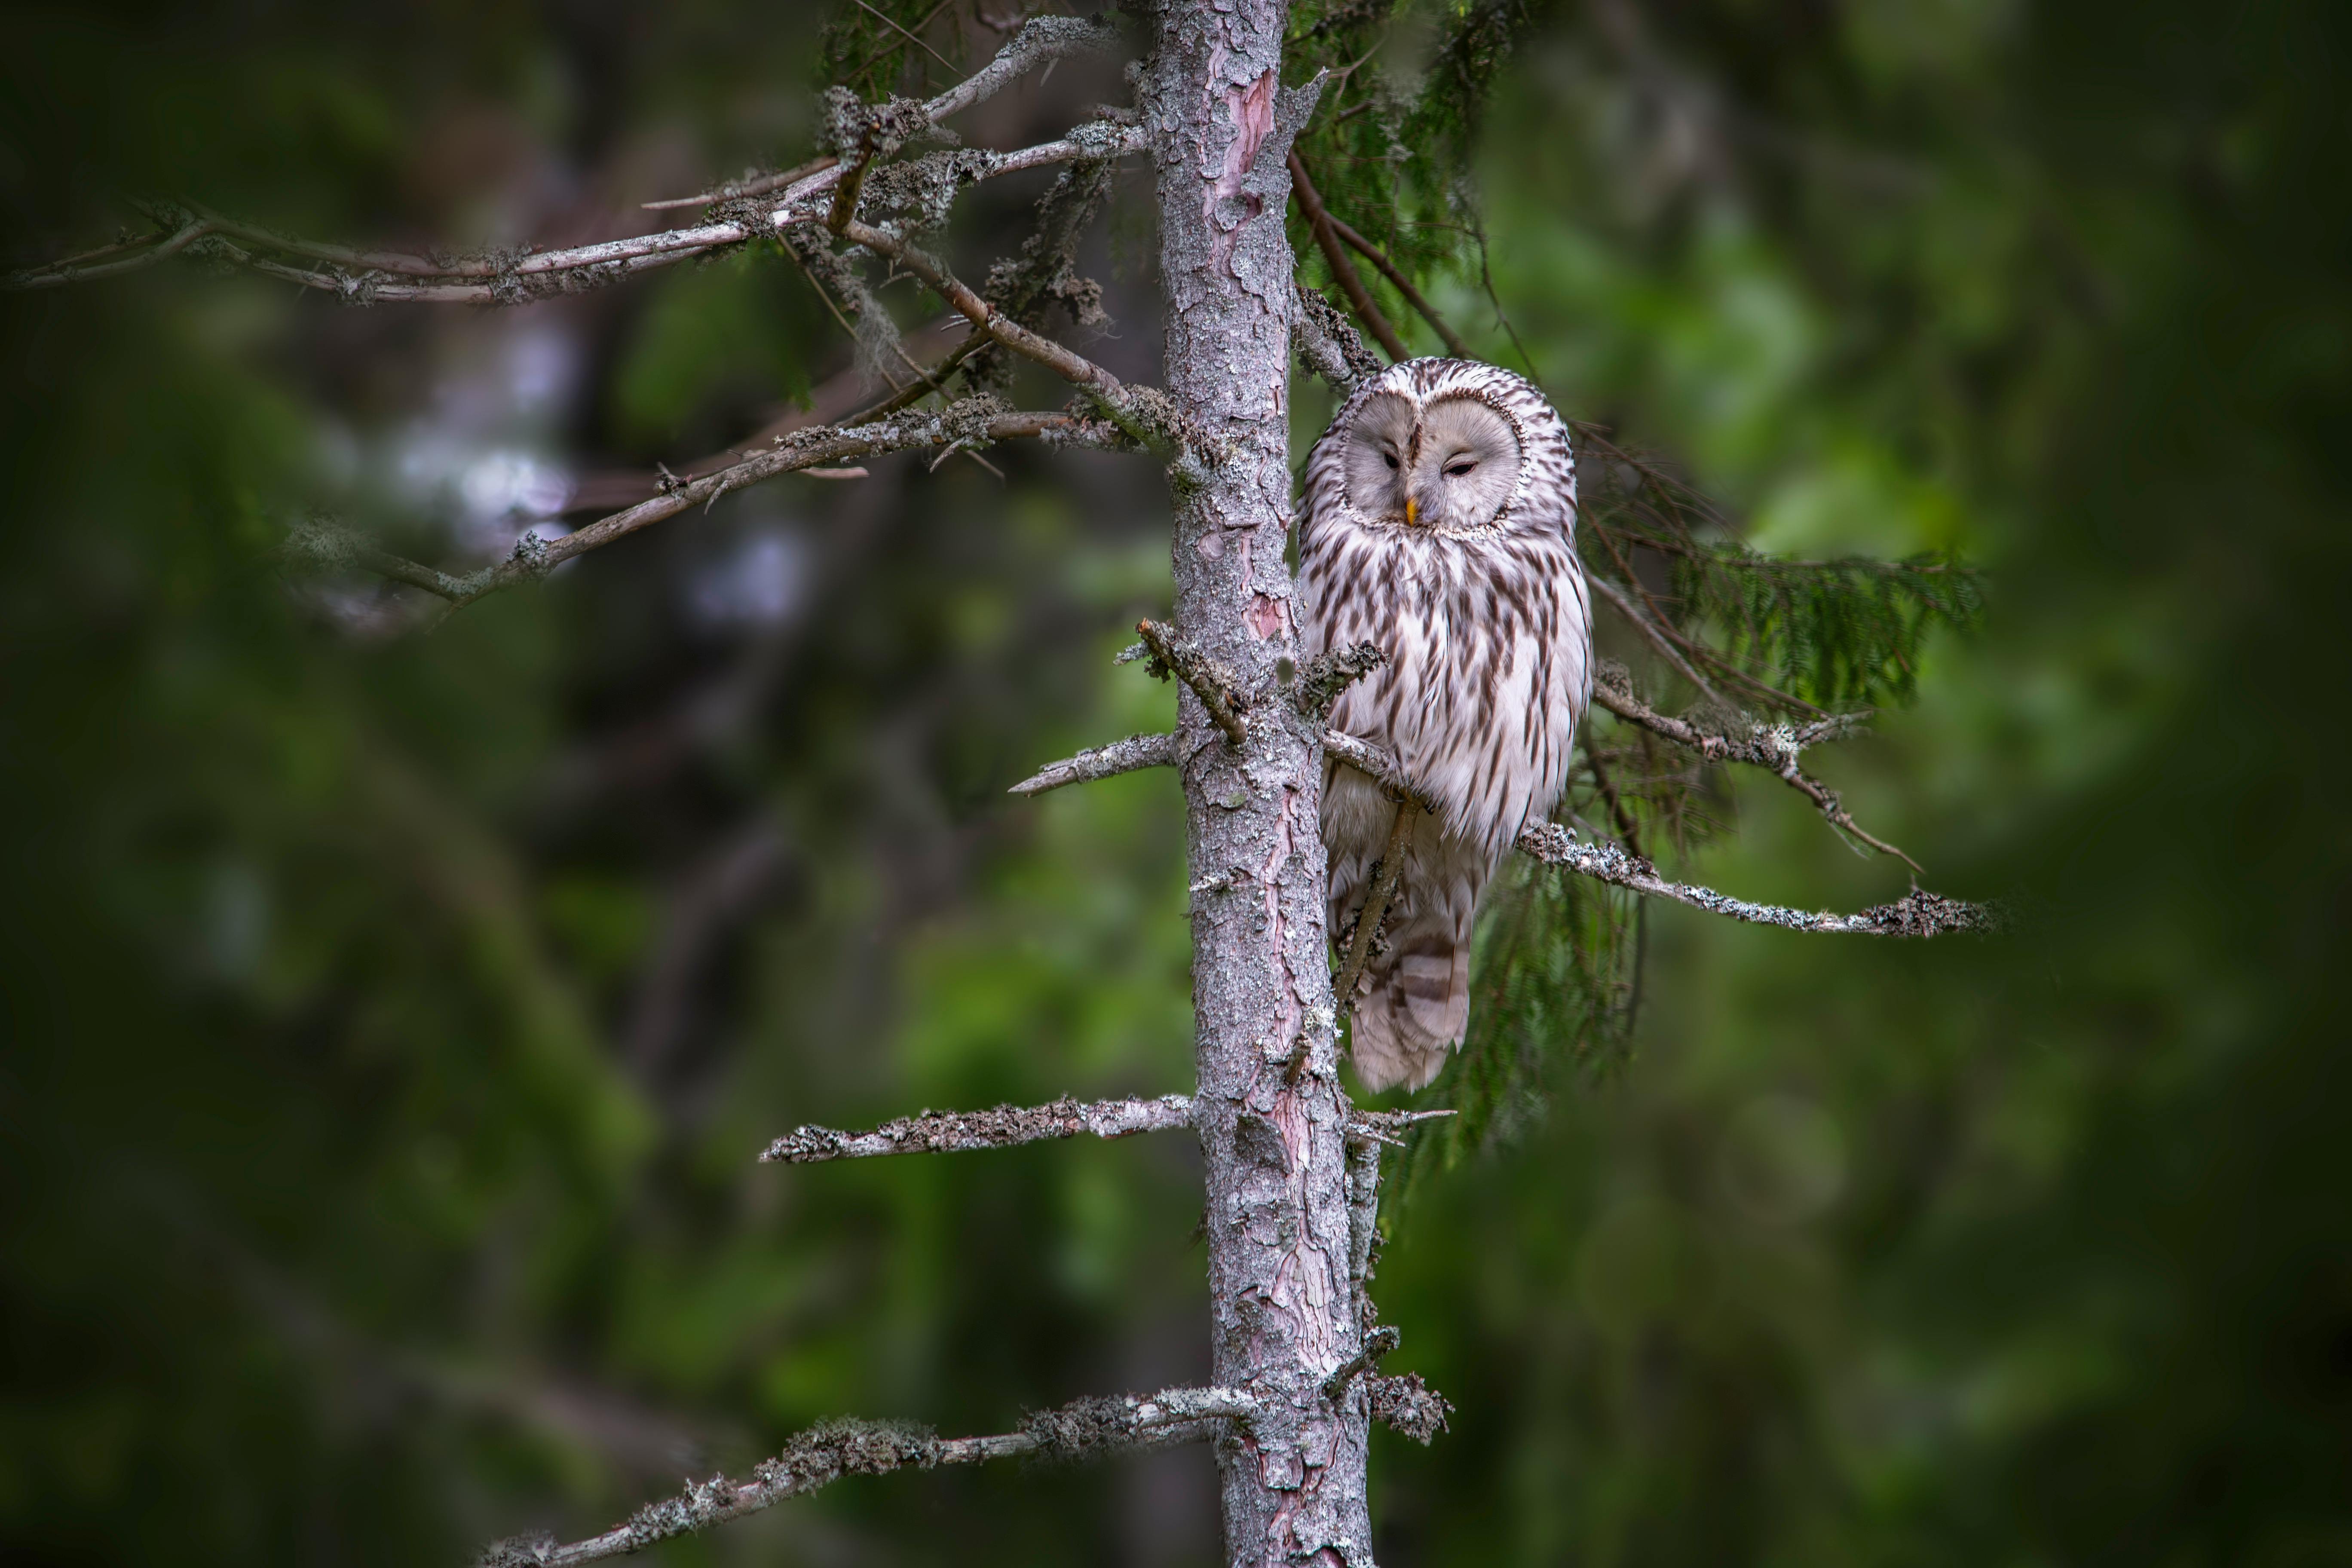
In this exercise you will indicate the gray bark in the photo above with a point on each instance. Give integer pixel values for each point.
(1270, 1114)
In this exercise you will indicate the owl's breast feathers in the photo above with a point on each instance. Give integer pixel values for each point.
(1486, 675)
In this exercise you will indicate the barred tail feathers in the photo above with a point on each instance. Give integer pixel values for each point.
(1412, 1005)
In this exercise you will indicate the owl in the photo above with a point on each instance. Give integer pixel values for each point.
(1440, 525)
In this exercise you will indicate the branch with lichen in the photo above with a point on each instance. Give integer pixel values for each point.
(1006, 1127)
(972, 423)
(1383, 1127)
(1918, 913)
(1774, 747)
(1134, 410)
(1376, 1344)
(513, 277)
(826, 1453)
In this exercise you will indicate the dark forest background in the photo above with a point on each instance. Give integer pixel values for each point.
(390, 1021)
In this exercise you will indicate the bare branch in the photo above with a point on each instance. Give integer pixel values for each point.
(1403, 285)
(1102, 1425)
(840, 399)
(1310, 206)
(1772, 747)
(1374, 763)
(361, 277)
(1172, 655)
(1341, 230)
(1041, 42)
(1131, 755)
(826, 1453)
(1655, 635)
(83, 268)
(505, 279)
(942, 1131)
(757, 185)
(1376, 906)
(1103, 762)
(323, 543)
(1917, 913)
(929, 380)
(971, 421)
(1096, 139)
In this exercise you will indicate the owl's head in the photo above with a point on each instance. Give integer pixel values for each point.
(1449, 465)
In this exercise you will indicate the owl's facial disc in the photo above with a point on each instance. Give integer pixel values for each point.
(1380, 445)
(1463, 466)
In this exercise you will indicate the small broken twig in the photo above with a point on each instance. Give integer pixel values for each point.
(1324, 676)
(1383, 1126)
(1172, 655)
(1377, 1343)
(1101, 762)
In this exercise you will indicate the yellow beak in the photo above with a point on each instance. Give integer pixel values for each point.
(1412, 512)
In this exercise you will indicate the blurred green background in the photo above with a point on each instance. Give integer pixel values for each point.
(391, 1021)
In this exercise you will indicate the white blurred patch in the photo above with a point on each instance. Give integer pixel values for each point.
(508, 482)
(480, 458)
(760, 583)
(543, 365)
(497, 493)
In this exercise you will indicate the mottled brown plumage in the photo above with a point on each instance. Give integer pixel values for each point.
(1440, 524)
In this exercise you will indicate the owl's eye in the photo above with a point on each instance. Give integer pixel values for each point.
(1458, 469)
(1390, 458)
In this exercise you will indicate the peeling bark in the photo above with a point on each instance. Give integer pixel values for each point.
(1272, 1117)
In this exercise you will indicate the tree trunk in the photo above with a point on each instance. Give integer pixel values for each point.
(1272, 1118)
